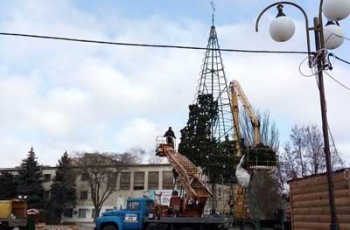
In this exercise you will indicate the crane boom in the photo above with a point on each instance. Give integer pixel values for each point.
(191, 179)
(238, 93)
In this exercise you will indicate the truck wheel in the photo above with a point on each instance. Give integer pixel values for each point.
(249, 227)
(151, 226)
(110, 227)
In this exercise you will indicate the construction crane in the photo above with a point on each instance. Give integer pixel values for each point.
(196, 190)
(237, 93)
(258, 150)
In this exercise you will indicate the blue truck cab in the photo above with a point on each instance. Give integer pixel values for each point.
(130, 218)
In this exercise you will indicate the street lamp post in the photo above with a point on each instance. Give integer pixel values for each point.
(282, 29)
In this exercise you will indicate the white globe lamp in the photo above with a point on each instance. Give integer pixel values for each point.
(282, 28)
(333, 35)
(336, 10)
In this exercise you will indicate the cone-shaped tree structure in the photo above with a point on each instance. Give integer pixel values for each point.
(213, 81)
(207, 138)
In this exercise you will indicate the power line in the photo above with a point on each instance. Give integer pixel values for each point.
(346, 87)
(346, 38)
(148, 45)
(335, 148)
(337, 35)
(338, 58)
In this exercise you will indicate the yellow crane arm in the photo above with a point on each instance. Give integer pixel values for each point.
(235, 113)
(238, 93)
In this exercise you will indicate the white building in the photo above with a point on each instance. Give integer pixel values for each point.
(135, 181)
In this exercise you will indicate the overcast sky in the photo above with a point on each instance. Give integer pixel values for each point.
(63, 96)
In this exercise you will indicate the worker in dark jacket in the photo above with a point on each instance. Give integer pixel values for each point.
(169, 134)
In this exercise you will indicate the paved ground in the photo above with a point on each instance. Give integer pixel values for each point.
(69, 227)
(79, 227)
(65, 227)
(90, 227)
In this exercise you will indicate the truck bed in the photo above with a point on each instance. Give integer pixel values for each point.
(194, 223)
(191, 220)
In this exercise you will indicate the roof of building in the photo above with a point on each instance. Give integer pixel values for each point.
(344, 170)
(55, 167)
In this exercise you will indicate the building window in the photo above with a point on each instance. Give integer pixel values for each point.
(220, 192)
(112, 179)
(124, 181)
(47, 177)
(139, 180)
(83, 195)
(167, 180)
(68, 213)
(93, 214)
(82, 213)
(153, 180)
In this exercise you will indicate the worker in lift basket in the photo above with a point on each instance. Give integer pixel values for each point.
(169, 134)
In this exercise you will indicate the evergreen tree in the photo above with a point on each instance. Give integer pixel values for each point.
(201, 147)
(63, 194)
(30, 181)
(7, 186)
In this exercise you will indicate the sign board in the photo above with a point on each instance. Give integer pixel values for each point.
(131, 217)
(165, 198)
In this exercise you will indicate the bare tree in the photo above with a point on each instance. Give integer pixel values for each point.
(153, 159)
(133, 156)
(314, 149)
(269, 134)
(289, 166)
(299, 145)
(306, 148)
(267, 187)
(138, 155)
(101, 171)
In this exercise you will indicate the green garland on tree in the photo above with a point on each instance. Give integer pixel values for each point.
(261, 155)
(201, 147)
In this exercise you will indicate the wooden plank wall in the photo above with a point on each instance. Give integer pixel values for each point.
(310, 205)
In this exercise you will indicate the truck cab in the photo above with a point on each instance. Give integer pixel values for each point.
(13, 213)
(130, 218)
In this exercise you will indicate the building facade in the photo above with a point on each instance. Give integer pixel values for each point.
(135, 181)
